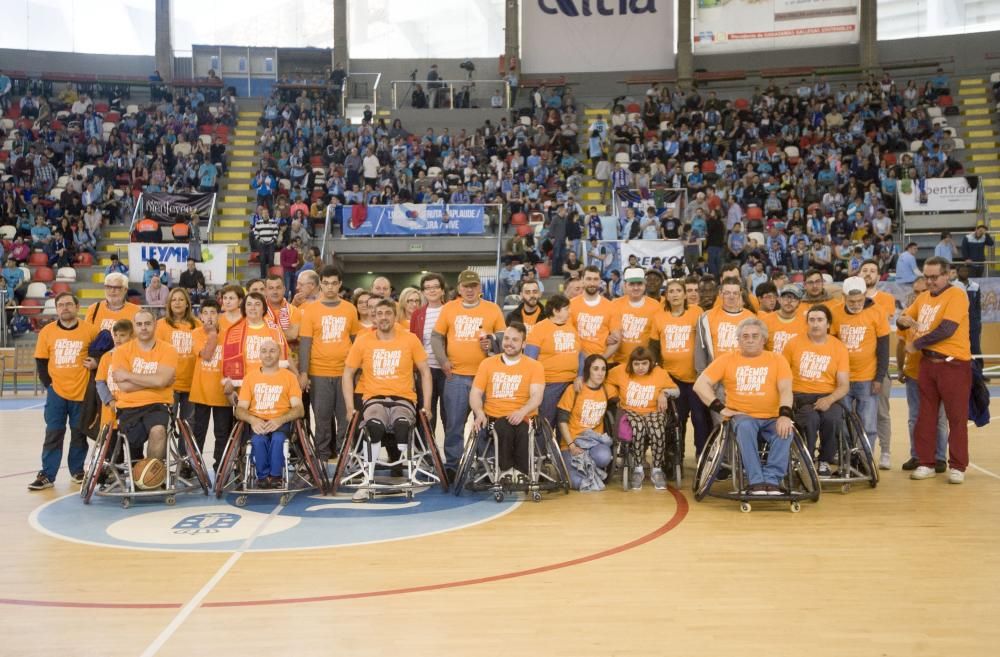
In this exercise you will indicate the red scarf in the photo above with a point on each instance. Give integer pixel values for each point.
(233, 366)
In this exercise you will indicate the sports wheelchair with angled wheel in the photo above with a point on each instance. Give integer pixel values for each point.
(109, 471)
(420, 461)
(853, 458)
(720, 472)
(303, 470)
(479, 470)
(623, 459)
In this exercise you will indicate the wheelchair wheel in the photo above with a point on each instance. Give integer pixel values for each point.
(317, 470)
(431, 446)
(710, 461)
(468, 456)
(193, 455)
(229, 457)
(863, 459)
(345, 451)
(96, 467)
(800, 468)
(554, 453)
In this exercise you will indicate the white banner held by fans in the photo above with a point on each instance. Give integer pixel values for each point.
(646, 250)
(584, 36)
(942, 195)
(174, 257)
(729, 26)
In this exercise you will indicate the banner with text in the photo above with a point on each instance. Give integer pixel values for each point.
(174, 256)
(730, 26)
(414, 219)
(166, 207)
(939, 194)
(613, 255)
(583, 36)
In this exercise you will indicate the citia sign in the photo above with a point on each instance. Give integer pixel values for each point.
(599, 7)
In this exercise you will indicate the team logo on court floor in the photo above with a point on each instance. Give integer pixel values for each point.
(200, 523)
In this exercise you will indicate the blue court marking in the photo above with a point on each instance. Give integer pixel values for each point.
(22, 403)
(204, 524)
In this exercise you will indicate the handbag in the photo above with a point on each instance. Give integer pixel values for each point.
(624, 432)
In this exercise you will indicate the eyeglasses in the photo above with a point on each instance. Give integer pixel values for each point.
(428, 288)
(114, 287)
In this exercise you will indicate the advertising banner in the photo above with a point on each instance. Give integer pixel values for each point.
(613, 255)
(166, 207)
(730, 26)
(175, 256)
(939, 194)
(584, 36)
(414, 219)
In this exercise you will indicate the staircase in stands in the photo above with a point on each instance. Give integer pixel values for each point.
(237, 199)
(981, 126)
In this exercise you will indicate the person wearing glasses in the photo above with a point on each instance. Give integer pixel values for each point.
(758, 403)
(422, 323)
(113, 306)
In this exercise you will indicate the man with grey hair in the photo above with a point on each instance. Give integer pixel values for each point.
(758, 387)
(306, 287)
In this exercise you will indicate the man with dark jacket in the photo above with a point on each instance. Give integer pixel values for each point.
(557, 233)
(530, 311)
(192, 277)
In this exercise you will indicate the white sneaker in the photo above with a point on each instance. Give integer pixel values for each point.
(635, 483)
(659, 479)
(884, 462)
(955, 476)
(923, 472)
(360, 495)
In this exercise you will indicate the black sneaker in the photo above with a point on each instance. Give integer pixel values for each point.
(397, 470)
(940, 466)
(77, 477)
(449, 474)
(912, 465)
(41, 482)
(724, 474)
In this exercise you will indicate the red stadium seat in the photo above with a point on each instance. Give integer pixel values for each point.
(754, 212)
(741, 103)
(543, 269)
(945, 101)
(708, 166)
(113, 117)
(519, 219)
(254, 258)
(85, 260)
(43, 275)
(633, 108)
(14, 112)
(60, 286)
(890, 158)
(31, 307)
(797, 277)
(38, 259)
(102, 108)
(525, 230)
(316, 161)
(4, 156)
(275, 270)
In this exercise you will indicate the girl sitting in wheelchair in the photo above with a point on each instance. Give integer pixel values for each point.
(643, 390)
(584, 441)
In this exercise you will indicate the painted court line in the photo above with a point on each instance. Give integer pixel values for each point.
(984, 471)
(195, 601)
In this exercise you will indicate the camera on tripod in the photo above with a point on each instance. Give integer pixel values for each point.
(467, 65)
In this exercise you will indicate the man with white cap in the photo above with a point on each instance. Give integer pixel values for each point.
(632, 315)
(864, 330)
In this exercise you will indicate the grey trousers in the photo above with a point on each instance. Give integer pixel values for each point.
(884, 423)
(327, 400)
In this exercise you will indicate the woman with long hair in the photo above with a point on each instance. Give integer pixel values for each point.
(176, 328)
(580, 419)
(409, 300)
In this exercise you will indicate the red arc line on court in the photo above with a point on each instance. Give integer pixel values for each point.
(679, 514)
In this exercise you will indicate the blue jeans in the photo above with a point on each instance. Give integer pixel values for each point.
(748, 430)
(269, 453)
(599, 454)
(865, 404)
(913, 405)
(715, 260)
(690, 405)
(59, 412)
(550, 401)
(455, 404)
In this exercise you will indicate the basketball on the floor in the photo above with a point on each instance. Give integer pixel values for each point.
(149, 473)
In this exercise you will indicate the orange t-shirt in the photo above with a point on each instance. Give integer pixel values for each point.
(270, 395)
(507, 387)
(66, 349)
(462, 328)
(638, 393)
(676, 336)
(386, 365)
(206, 379)
(586, 410)
(886, 303)
(558, 350)
(254, 337)
(722, 329)
(593, 323)
(929, 311)
(104, 318)
(285, 316)
(781, 331)
(859, 333)
(815, 366)
(132, 358)
(911, 366)
(751, 384)
(330, 328)
(104, 374)
(225, 322)
(531, 321)
(180, 338)
(635, 324)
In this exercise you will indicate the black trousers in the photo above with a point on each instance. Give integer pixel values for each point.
(513, 446)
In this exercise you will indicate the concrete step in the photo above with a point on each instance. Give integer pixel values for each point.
(979, 99)
(990, 182)
(980, 133)
(980, 169)
(977, 111)
(233, 223)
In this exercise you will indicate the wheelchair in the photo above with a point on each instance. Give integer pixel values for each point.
(622, 461)
(721, 461)
(479, 469)
(109, 471)
(854, 460)
(421, 461)
(303, 469)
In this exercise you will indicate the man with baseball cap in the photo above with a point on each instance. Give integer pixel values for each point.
(786, 322)
(864, 330)
(632, 315)
(461, 341)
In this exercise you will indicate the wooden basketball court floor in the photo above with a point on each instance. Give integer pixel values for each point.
(910, 568)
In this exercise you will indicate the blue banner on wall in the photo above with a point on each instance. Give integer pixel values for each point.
(413, 219)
